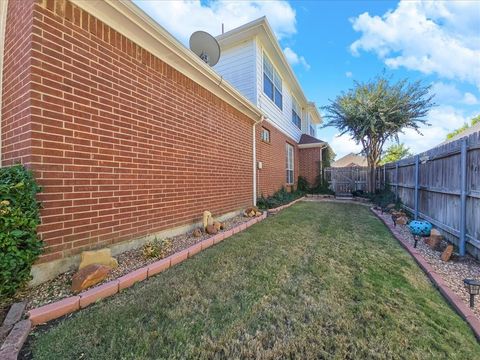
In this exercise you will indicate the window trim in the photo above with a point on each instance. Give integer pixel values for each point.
(290, 164)
(265, 130)
(294, 113)
(275, 76)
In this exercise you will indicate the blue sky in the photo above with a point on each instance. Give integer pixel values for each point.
(330, 44)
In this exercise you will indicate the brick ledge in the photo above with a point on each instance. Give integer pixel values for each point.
(71, 304)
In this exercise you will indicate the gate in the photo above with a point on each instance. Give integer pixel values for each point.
(345, 180)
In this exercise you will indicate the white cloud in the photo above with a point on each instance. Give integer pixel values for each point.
(294, 59)
(348, 74)
(343, 145)
(447, 93)
(470, 99)
(443, 119)
(183, 17)
(433, 37)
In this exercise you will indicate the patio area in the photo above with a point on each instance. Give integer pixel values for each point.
(318, 280)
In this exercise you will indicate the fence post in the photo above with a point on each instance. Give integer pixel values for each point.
(384, 177)
(396, 181)
(417, 172)
(463, 197)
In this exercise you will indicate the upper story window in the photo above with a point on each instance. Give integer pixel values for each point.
(265, 136)
(312, 130)
(272, 83)
(296, 111)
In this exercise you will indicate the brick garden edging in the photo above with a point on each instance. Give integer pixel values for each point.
(453, 299)
(71, 304)
(277, 209)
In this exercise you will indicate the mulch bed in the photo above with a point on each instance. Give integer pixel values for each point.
(452, 272)
(59, 287)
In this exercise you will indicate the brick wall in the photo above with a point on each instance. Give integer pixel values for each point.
(310, 164)
(123, 144)
(273, 157)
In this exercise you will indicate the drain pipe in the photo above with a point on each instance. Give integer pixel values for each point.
(255, 159)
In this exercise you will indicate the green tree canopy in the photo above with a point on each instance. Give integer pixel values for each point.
(394, 153)
(378, 110)
(464, 127)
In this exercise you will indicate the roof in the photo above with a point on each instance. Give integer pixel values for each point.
(351, 160)
(468, 131)
(261, 28)
(136, 25)
(308, 139)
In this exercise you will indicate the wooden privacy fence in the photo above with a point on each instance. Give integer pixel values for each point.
(345, 180)
(442, 186)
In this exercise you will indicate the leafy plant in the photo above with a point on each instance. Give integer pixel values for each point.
(302, 184)
(157, 249)
(19, 243)
(394, 153)
(281, 197)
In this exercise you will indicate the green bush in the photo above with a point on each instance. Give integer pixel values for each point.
(383, 198)
(19, 217)
(281, 197)
(321, 186)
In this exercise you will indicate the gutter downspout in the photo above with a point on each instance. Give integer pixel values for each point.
(255, 159)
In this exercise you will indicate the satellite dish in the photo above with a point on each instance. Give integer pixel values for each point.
(205, 46)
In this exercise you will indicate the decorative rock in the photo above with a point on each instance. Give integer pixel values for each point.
(207, 219)
(89, 276)
(217, 225)
(390, 206)
(258, 213)
(447, 253)
(435, 232)
(211, 230)
(101, 257)
(402, 220)
(222, 226)
(197, 233)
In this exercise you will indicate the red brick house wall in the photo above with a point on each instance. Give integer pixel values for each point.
(273, 155)
(310, 164)
(123, 144)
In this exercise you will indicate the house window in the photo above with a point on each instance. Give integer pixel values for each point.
(272, 83)
(296, 111)
(265, 135)
(289, 164)
(312, 130)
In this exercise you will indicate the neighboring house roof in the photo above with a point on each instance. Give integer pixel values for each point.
(261, 28)
(350, 160)
(471, 130)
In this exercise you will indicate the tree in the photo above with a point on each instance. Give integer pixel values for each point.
(394, 153)
(464, 127)
(377, 111)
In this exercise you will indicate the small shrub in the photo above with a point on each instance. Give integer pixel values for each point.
(321, 187)
(302, 184)
(157, 249)
(281, 197)
(383, 198)
(19, 218)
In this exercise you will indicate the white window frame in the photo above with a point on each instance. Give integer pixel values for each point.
(312, 130)
(296, 111)
(274, 78)
(290, 168)
(264, 138)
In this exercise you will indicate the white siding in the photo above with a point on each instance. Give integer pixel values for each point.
(281, 118)
(237, 66)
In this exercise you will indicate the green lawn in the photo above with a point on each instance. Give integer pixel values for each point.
(318, 280)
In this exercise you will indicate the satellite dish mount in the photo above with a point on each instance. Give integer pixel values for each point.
(205, 46)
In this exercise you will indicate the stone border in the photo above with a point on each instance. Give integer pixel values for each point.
(277, 209)
(71, 304)
(453, 299)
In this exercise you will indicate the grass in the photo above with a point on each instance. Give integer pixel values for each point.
(318, 280)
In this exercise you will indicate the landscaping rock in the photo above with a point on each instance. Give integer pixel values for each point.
(447, 253)
(390, 207)
(15, 313)
(402, 220)
(211, 230)
(102, 257)
(207, 219)
(89, 276)
(217, 225)
(258, 213)
(197, 233)
(223, 226)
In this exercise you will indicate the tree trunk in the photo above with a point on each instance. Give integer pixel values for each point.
(372, 169)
